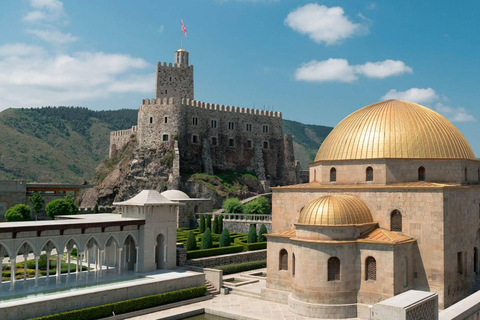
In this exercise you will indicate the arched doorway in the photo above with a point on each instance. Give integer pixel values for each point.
(130, 253)
(160, 252)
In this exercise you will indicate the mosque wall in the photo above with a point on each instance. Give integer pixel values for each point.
(279, 279)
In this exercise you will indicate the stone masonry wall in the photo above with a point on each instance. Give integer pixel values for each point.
(174, 81)
(228, 259)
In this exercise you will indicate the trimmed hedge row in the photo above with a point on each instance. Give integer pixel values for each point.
(213, 251)
(127, 305)
(250, 246)
(240, 267)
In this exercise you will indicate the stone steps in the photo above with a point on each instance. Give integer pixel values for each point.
(210, 288)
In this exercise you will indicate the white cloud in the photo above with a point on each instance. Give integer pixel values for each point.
(45, 11)
(30, 77)
(340, 70)
(418, 95)
(430, 98)
(323, 24)
(383, 69)
(53, 36)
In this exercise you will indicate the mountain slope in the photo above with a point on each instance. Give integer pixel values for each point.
(66, 144)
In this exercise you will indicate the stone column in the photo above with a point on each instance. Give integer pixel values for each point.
(88, 262)
(1, 271)
(48, 266)
(120, 260)
(59, 267)
(136, 258)
(25, 256)
(36, 270)
(101, 254)
(82, 255)
(12, 273)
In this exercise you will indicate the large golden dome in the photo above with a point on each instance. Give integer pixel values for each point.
(341, 209)
(394, 129)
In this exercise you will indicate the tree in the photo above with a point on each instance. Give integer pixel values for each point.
(37, 202)
(19, 212)
(258, 206)
(95, 208)
(202, 223)
(60, 207)
(232, 205)
(252, 234)
(208, 222)
(263, 230)
(191, 241)
(207, 239)
(220, 222)
(215, 225)
(224, 238)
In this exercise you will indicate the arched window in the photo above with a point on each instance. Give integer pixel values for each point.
(421, 174)
(466, 174)
(371, 269)
(283, 260)
(333, 175)
(293, 264)
(396, 221)
(333, 269)
(369, 174)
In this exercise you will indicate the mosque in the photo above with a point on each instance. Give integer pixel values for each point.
(393, 204)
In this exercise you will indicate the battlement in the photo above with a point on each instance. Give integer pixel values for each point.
(218, 107)
(121, 133)
(172, 66)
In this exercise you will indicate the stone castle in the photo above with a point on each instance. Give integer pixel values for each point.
(209, 138)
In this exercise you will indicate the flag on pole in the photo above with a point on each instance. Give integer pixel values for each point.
(184, 29)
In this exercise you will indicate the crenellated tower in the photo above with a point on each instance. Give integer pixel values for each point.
(175, 80)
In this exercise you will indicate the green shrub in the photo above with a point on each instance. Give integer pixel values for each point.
(95, 208)
(216, 225)
(207, 239)
(240, 267)
(191, 242)
(224, 239)
(208, 222)
(258, 206)
(220, 222)
(202, 223)
(252, 234)
(202, 253)
(232, 205)
(60, 207)
(19, 212)
(125, 306)
(263, 230)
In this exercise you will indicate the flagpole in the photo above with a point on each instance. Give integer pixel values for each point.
(181, 37)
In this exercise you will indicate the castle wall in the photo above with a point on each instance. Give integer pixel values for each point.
(174, 81)
(120, 138)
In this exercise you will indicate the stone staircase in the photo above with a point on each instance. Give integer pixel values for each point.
(210, 288)
(476, 285)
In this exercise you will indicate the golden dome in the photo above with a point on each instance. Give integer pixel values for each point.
(341, 209)
(395, 129)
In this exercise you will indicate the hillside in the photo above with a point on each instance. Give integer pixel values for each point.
(66, 144)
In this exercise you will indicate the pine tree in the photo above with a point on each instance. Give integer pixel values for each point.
(220, 222)
(224, 238)
(208, 222)
(202, 223)
(263, 230)
(191, 241)
(215, 225)
(207, 239)
(252, 234)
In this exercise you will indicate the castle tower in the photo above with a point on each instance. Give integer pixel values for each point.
(175, 80)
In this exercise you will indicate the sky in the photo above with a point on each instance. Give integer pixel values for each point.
(316, 62)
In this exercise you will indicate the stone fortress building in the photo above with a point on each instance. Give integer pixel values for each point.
(211, 138)
(393, 204)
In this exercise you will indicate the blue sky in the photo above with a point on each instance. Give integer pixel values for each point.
(314, 61)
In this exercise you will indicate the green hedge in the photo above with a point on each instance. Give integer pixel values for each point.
(250, 246)
(240, 267)
(213, 251)
(127, 305)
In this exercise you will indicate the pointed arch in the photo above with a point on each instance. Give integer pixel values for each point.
(134, 238)
(49, 244)
(109, 240)
(72, 242)
(5, 249)
(91, 241)
(21, 248)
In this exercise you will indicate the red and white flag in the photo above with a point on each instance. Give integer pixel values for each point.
(184, 29)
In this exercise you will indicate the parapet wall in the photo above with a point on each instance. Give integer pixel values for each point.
(120, 138)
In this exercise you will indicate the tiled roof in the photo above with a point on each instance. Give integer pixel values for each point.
(385, 236)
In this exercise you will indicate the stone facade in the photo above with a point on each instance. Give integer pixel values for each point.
(228, 259)
(211, 137)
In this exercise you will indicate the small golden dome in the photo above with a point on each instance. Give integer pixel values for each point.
(181, 50)
(341, 209)
(395, 129)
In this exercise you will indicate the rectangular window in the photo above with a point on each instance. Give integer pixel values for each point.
(165, 91)
(231, 142)
(165, 137)
(166, 119)
(170, 78)
(151, 119)
(265, 128)
(265, 144)
(249, 144)
(195, 138)
(195, 121)
(459, 263)
(231, 125)
(248, 127)
(214, 141)
(213, 124)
